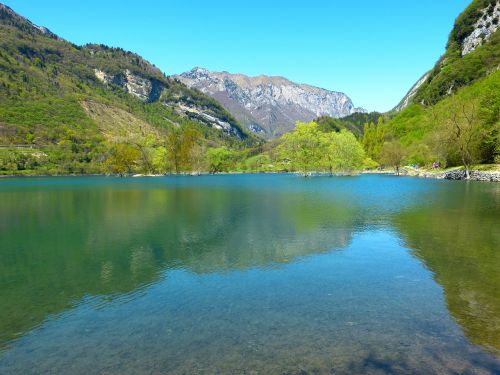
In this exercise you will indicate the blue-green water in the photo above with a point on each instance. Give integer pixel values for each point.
(249, 274)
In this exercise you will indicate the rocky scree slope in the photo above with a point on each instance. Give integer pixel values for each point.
(268, 106)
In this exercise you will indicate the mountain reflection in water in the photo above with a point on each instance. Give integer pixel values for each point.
(237, 273)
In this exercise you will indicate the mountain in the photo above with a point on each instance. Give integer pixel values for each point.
(72, 103)
(472, 53)
(452, 114)
(114, 67)
(411, 93)
(268, 106)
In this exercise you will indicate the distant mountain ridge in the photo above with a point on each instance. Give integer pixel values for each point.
(268, 105)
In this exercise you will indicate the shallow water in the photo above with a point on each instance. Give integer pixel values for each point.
(249, 274)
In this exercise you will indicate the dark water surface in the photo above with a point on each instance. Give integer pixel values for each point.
(249, 274)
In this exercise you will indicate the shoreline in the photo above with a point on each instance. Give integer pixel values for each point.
(455, 174)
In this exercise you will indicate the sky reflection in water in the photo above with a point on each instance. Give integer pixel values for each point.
(262, 273)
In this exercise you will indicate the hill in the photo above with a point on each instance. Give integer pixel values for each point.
(472, 53)
(58, 100)
(451, 115)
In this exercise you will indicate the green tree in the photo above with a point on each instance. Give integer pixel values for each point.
(466, 127)
(342, 152)
(190, 138)
(303, 147)
(198, 158)
(160, 160)
(373, 138)
(393, 154)
(173, 147)
(145, 156)
(122, 159)
(181, 144)
(219, 159)
(258, 162)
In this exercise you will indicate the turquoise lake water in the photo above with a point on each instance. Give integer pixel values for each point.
(249, 274)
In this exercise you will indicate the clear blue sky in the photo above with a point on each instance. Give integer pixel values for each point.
(371, 50)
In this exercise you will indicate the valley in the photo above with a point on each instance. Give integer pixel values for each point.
(92, 109)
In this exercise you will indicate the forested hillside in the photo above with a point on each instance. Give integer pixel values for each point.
(472, 53)
(453, 117)
(95, 109)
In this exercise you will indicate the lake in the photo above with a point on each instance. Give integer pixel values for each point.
(249, 274)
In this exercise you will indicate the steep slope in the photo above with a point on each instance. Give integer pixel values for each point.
(411, 93)
(268, 106)
(452, 115)
(48, 87)
(472, 52)
(149, 85)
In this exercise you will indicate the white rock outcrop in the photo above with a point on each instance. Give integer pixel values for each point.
(483, 28)
(138, 86)
(149, 90)
(103, 76)
(145, 89)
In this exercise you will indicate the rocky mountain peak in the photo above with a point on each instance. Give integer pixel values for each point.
(268, 105)
(197, 74)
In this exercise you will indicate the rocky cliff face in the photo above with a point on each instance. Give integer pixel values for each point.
(147, 90)
(268, 106)
(484, 27)
(150, 90)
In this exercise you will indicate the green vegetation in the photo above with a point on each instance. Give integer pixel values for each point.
(461, 129)
(392, 154)
(354, 123)
(373, 138)
(57, 117)
(219, 159)
(454, 116)
(122, 159)
(308, 149)
(453, 70)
